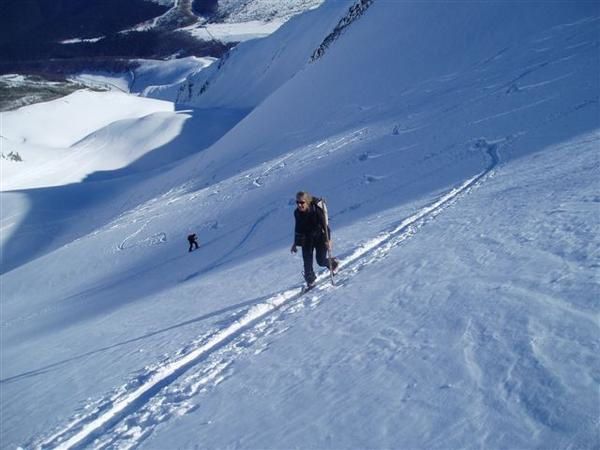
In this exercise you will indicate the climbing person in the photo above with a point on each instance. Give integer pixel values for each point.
(193, 240)
(312, 233)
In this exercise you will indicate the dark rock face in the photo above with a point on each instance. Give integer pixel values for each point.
(355, 11)
(32, 32)
(46, 21)
(205, 8)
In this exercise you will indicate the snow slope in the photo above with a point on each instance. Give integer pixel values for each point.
(64, 122)
(263, 64)
(460, 163)
(149, 75)
(65, 140)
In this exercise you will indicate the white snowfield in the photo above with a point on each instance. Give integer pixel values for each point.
(460, 163)
(63, 122)
(235, 32)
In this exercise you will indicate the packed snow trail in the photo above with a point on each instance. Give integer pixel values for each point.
(83, 431)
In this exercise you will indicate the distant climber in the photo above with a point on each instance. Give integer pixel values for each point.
(312, 233)
(193, 240)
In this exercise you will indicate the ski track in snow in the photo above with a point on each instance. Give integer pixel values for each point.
(127, 416)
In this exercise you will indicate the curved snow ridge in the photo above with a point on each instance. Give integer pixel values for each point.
(93, 427)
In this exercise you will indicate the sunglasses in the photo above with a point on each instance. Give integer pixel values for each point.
(300, 203)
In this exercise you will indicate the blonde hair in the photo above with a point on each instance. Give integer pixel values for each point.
(304, 196)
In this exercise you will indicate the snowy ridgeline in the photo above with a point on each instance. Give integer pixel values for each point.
(460, 164)
(355, 11)
(11, 156)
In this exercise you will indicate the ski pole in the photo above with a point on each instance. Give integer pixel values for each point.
(329, 258)
(330, 264)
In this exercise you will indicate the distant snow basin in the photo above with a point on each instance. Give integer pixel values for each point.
(64, 140)
(112, 147)
(80, 40)
(62, 122)
(235, 32)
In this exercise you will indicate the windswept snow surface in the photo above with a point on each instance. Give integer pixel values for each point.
(460, 163)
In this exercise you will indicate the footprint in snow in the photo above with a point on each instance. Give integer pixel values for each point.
(368, 179)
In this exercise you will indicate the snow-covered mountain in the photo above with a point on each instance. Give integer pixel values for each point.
(457, 147)
(53, 38)
(106, 46)
(240, 11)
(236, 11)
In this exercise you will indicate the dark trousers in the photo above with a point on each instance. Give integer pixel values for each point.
(192, 243)
(320, 249)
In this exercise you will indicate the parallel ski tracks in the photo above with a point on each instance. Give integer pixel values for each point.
(136, 402)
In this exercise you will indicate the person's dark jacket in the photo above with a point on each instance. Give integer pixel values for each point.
(310, 226)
